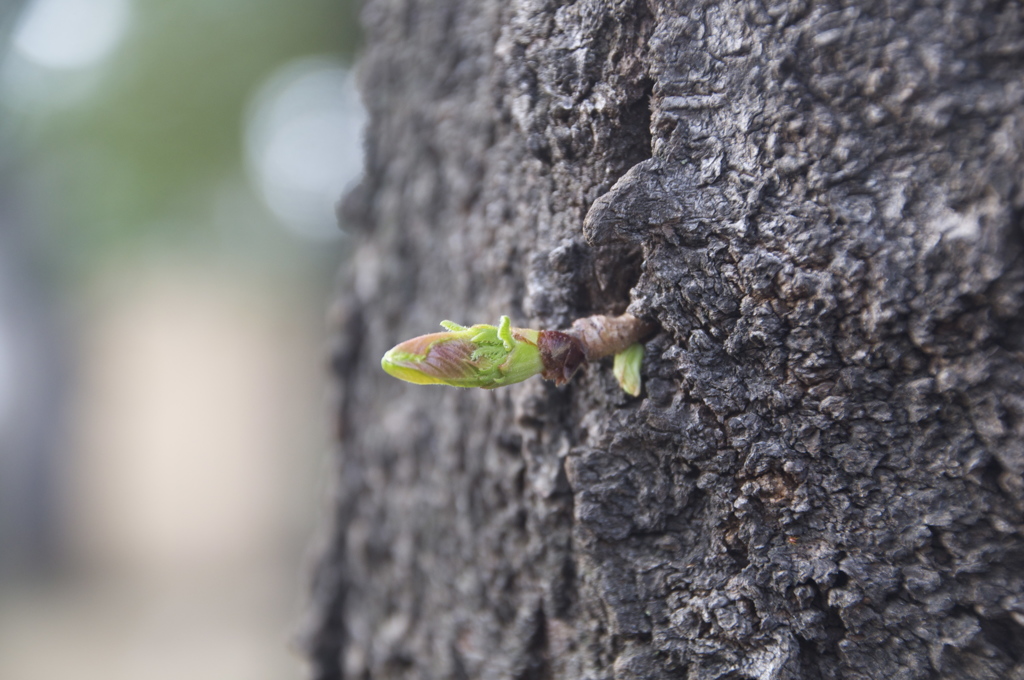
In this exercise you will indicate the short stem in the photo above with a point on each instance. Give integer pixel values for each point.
(604, 336)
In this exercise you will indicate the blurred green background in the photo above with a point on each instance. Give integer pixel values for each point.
(168, 175)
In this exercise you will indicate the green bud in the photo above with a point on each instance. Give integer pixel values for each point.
(477, 356)
(627, 368)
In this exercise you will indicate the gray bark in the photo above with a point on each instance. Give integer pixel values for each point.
(820, 207)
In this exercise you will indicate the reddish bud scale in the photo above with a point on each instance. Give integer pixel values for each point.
(442, 357)
(562, 354)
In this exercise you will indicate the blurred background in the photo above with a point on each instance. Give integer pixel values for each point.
(168, 175)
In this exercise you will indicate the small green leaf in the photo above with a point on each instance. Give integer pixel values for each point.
(627, 368)
(505, 333)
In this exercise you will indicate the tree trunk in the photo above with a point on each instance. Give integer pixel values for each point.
(820, 207)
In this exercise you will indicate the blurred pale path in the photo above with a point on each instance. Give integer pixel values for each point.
(189, 493)
(168, 173)
(210, 381)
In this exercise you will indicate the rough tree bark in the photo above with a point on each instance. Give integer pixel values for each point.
(820, 206)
